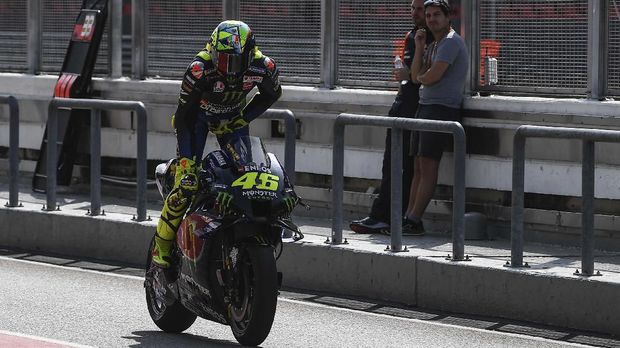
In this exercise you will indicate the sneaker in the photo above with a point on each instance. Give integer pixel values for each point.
(411, 228)
(369, 225)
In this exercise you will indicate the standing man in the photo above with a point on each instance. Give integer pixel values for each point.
(405, 105)
(441, 70)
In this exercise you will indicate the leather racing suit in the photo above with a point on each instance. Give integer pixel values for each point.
(210, 102)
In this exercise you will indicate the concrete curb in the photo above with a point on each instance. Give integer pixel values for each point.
(531, 295)
(481, 286)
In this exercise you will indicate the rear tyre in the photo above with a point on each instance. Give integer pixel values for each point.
(252, 313)
(166, 312)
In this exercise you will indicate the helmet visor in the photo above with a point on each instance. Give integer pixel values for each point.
(231, 63)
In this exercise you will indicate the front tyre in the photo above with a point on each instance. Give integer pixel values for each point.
(166, 311)
(253, 309)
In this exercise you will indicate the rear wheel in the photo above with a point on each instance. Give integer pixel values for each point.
(253, 309)
(166, 311)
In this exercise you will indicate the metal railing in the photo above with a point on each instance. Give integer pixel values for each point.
(95, 149)
(398, 124)
(13, 148)
(290, 136)
(588, 137)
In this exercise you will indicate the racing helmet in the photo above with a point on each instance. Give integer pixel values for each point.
(232, 47)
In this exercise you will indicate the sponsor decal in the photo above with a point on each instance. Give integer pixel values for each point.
(258, 70)
(84, 32)
(232, 152)
(218, 87)
(259, 194)
(221, 161)
(191, 281)
(188, 238)
(257, 79)
(197, 69)
(218, 108)
(190, 80)
(248, 81)
(220, 187)
(269, 64)
(256, 168)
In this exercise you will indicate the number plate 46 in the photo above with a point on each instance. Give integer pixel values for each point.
(260, 181)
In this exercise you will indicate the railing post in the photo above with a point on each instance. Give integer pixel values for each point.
(396, 204)
(329, 48)
(587, 208)
(13, 150)
(230, 9)
(95, 162)
(139, 38)
(290, 138)
(597, 47)
(518, 183)
(458, 194)
(290, 141)
(116, 38)
(141, 164)
(337, 181)
(52, 159)
(34, 36)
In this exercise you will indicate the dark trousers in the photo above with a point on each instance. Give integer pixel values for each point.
(381, 205)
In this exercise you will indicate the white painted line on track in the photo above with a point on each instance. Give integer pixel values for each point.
(319, 305)
(43, 339)
(72, 268)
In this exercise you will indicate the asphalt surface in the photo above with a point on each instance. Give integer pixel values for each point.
(84, 303)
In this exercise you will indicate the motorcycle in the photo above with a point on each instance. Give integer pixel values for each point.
(225, 252)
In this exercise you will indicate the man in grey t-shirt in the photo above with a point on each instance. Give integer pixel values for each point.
(441, 70)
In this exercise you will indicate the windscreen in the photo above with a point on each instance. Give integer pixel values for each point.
(247, 151)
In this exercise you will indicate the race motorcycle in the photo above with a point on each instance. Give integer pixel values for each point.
(224, 257)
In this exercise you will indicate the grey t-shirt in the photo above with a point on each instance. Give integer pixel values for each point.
(449, 90)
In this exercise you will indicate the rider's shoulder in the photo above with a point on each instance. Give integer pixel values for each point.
(262, 64)
(202, 65)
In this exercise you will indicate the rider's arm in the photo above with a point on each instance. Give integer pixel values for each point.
(189, 101)
(269, 90)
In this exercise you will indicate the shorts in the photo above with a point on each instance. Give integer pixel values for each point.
(432, 144)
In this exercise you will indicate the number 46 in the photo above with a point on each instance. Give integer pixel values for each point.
(265, 181)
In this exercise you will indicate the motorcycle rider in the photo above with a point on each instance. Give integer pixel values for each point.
(213, 98)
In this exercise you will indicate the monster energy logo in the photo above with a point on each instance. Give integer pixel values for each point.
(223, 200)
(232, 96)
(290, 202)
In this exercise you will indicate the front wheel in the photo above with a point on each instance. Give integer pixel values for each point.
(166, 311)
(252, 311)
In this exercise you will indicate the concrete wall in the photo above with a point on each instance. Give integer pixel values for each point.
(552, 168)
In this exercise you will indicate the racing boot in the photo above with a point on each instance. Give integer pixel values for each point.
(179, 198)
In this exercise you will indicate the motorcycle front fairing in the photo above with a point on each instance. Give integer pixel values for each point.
(242, 196)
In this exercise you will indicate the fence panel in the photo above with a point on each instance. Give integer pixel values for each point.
(177, 30)
(290, 33)
(613, 82)
(541, 45)
(371, 33)
(14, 36)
